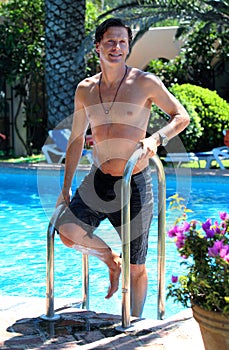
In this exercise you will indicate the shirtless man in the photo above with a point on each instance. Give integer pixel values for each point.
(116, 103)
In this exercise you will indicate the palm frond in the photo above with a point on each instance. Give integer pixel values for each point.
(143, 14)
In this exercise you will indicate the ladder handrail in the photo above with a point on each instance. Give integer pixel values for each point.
(50, 315)
(161, 236)
(126, 233)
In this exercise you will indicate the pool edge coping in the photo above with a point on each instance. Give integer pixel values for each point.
(55, 166)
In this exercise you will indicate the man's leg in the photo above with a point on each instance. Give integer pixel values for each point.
(138, 286)
(74, 236)
(141, 216)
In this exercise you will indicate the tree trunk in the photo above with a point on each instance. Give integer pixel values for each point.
(64, 33)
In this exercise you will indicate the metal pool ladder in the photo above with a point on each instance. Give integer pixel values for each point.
(50, 314)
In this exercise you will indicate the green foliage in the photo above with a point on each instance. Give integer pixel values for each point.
(21, 39)
(22, 56)
(169, 71)
(212, 112)
(205, 47)
(92, 12)
(190, 11)
(209, 116)
(191, 135)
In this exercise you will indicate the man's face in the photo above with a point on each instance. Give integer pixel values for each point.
(114, 45)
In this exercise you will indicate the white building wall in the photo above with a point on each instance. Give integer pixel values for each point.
(155, 43)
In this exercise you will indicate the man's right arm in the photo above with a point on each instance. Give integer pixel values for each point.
(75, 146)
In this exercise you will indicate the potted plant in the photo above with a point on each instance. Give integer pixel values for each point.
(204, 249)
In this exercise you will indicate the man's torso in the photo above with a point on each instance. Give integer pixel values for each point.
(116, 134)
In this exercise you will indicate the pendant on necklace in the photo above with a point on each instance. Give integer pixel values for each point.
(107, 111)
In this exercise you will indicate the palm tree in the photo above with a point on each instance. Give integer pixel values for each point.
(143, 14)
(64, 32)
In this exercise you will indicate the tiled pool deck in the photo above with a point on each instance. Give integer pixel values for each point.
(22, 328)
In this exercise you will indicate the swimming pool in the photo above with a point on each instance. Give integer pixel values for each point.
(27, 200)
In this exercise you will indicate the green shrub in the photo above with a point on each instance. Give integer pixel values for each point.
(193, 132)
(212, 110)
(209, 115)
(169, 71)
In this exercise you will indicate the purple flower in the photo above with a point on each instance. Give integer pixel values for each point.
(179, 244)
(224, 228)
(173, 231)
(174, 279)
(210, 233)
(206, 225)
(217, 227)
(177, 231)
(224, 251)
(219, 249)
(186, 226)
(226, 258)
(224, 215)
(183, 256)
(215, 250)
(180, 240)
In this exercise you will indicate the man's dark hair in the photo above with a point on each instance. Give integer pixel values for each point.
(111, 22)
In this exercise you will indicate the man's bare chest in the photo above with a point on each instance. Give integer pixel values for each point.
(120, 114)
(130, 106)
(127, 93)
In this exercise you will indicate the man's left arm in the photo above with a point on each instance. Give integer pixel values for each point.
(179, 118)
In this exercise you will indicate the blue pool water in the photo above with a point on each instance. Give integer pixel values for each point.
(27, 200)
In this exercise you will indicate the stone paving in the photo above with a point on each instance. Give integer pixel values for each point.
(21, 328)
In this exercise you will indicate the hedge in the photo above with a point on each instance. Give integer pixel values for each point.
(209, 115)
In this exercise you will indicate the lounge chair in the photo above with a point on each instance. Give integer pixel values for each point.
(180, 158)
(217, 154)
(57, 149)
(221, 153)
(207, 156)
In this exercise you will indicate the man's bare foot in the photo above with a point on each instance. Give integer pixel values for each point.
(114, 272)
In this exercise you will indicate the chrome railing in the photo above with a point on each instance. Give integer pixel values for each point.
(85, 281)
(126, 233)
(50, 314)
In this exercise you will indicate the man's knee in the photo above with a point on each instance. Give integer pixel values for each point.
(72, 234)
(67, 233)
(137, 271)
(69, 243)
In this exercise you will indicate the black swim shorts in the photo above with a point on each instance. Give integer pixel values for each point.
(99, 197)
